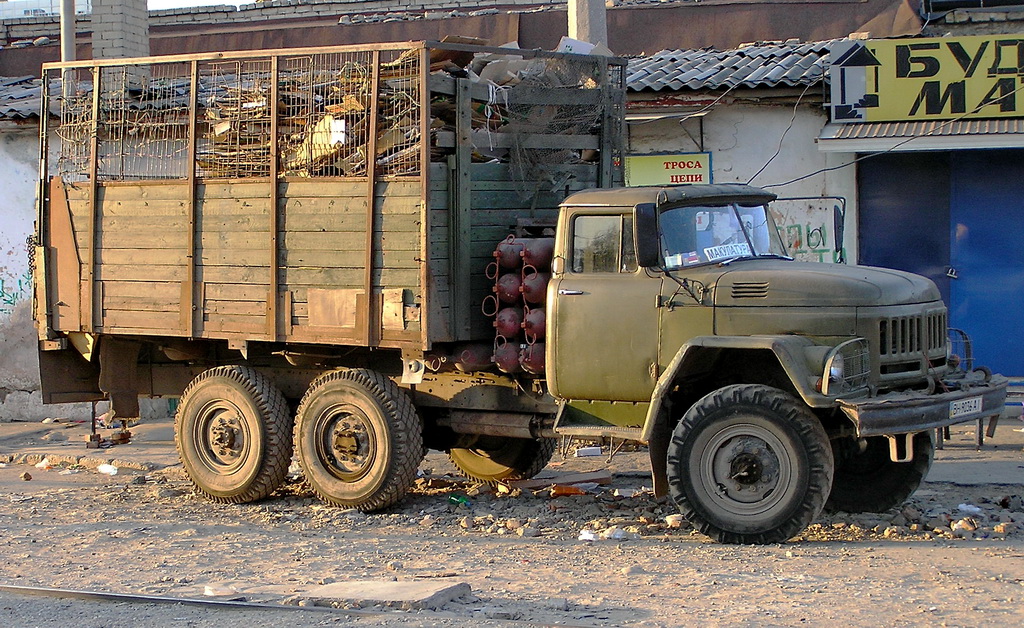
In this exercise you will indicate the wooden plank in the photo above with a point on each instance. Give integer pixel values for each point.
(236, 292)
(139, 304)
(219, 256)
(235, 274)
(256, 241)
(142, 240)
(114, 319)
(140, 208)
(169, 290)
(299, 258)
(230, 191)
(164, 190)
(249, 223)
(499, 139)
(325, 222)
(143, 223)
(235, 324)
(350, 277)
(154, 257)
(140, 272)
(235, 308)
(324, 205)
(232, 207)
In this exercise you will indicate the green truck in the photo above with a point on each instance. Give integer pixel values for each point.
(349, 255)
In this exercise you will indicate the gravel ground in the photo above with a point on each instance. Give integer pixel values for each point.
(950, 556)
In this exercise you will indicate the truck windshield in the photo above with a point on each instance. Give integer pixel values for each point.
(707, 234)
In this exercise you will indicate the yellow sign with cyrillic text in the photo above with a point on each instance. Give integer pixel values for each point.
(680, 168)
(927, 79)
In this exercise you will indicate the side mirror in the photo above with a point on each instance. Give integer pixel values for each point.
(645, 235)
(839, 226)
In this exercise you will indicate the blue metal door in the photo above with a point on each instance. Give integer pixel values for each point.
(987, 255)
(903, 214)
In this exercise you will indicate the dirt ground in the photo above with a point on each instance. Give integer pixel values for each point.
(952, 556)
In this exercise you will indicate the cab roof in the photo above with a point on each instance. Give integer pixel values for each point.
(673, 195)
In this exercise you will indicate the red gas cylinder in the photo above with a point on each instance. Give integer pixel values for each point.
(535, 285)
(537, 252)
(508, 322)
(532, 358)
(509, 252)
(474, 357)
(508, 287)
(534, 323)
(506, 356)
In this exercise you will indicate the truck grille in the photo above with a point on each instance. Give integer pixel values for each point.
(911, 345)
(750, 290)
(906, 335)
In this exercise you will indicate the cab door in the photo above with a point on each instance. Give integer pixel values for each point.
(603, 312)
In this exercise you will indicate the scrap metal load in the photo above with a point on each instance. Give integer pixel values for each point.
(314, 112)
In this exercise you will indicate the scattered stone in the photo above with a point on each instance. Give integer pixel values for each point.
(674, 521)
(394, 565)
(427, 520)
(528, 532)
(26, 476)
(495, 612)
(632, 570)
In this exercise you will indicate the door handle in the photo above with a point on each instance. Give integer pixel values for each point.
(570, 292)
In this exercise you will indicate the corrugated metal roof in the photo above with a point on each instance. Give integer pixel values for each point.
(928, 128)
(766, 65)
(20, 97)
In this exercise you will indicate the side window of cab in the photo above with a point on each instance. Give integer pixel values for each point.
(603, 244)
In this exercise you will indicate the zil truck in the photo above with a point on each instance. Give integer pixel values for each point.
(350, 255)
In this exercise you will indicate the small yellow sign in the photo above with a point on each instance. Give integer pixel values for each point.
(927, 79)
(676, 169)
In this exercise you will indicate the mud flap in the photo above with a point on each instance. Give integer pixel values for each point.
(119, 377)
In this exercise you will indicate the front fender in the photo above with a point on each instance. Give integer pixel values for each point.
(789, 350)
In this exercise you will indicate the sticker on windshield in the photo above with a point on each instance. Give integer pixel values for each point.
(727, 250)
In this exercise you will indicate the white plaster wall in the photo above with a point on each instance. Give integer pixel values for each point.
(18, 174)
(741, 139)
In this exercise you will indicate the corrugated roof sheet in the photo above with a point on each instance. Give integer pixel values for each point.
(928, 128)
(20, 97)
(766, 65)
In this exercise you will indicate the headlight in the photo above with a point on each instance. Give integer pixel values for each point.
(846, 368)
(835, 368)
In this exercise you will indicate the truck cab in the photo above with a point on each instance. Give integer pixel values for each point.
(765, 387)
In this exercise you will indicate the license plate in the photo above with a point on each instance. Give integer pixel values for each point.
(964, 407)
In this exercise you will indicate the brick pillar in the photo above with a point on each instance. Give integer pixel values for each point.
(120, 28)
(587, 21)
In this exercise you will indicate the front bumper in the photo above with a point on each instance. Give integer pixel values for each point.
(907, 412)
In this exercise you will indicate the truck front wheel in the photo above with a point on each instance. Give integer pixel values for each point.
(749, 464)
(867, 480)
(233, 432)
(494, 459)
(359, 439)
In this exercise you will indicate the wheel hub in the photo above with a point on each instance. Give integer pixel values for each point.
(745, 469)
(224, 436)
(350, 441)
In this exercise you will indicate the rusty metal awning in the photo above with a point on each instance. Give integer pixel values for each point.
(923, 135)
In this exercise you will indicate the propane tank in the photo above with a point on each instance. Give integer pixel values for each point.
(506, 356)
(534, 285)
(531, 358)
(537, 252)
(474, 357)
(509, 252)
(508, 287)
(508, 322)
(535, 324)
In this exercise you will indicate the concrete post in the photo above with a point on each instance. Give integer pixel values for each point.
(587, 21)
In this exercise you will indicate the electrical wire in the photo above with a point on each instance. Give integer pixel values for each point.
(897, 145)
(782, 139)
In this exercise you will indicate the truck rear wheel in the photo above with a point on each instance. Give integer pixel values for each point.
(233, 433)
(867, 480)
(494, 459)
(359, 439)
(749, 464)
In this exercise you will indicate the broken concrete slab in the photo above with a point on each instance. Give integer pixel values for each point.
(392, 594)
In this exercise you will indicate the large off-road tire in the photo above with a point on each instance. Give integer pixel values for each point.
(233, 432)
(749, 464)
(866, 478)
(359, 439)
(494, 459)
